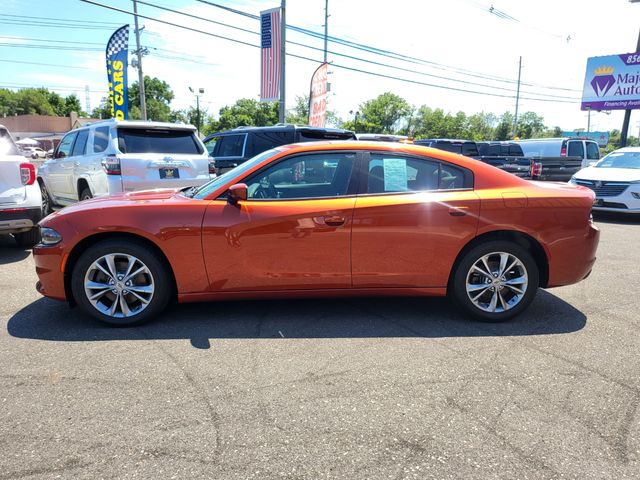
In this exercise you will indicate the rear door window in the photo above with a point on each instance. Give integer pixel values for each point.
(394, 173)
(593, 152)
(81, 143)
(576, 149)
(100, 139)
(231, 145)
(141, 140)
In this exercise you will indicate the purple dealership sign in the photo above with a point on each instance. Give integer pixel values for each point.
(612, 82)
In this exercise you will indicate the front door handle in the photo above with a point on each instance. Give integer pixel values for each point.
(457, 211)
(334, 221)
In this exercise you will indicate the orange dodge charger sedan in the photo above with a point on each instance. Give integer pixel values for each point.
(323, 219)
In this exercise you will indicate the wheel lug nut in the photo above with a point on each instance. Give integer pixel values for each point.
(114, 291)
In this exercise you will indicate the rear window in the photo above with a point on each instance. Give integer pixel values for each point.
(593, 151)
(515, 150)
(263, 141)
(141, 140)
(447, 147)
(576, 149)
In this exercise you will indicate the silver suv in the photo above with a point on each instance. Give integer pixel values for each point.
(20, 206)
(118, 156)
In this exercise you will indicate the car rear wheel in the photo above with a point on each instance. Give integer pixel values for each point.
(121, 282)
(85, 194)
(495, 281)
(46, 200)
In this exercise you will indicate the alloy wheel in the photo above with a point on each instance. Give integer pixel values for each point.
(497, 282)
(119, 285)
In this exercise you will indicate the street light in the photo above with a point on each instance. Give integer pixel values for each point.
(198, 95)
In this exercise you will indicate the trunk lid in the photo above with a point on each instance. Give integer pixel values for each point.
(12, 191)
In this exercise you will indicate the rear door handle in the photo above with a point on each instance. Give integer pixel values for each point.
(334, 221)
(457, 211)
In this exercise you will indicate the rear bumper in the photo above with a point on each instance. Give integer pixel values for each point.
(572, 260)
(14, 220)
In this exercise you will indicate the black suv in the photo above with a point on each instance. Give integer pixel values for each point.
(467, 148)
(233, 147)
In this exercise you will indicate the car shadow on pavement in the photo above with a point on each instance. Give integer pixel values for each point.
(12, 253)
(47, 319)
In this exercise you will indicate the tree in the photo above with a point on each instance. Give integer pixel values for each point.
(245, 112)
(481, 126)
(383, 114)
(504, 127)
(72, 104)
(103, 111)
(158, 96)
(530, 125)
(300, 113)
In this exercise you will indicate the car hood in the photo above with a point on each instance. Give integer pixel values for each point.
(609, 174)
(120, 200)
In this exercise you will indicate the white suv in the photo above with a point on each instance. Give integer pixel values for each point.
(118, 156)
(20, 203)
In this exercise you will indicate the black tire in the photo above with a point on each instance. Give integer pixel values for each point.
(160, 278)
(47, 205)
(85, 194)
(504, 295)
(28, 239)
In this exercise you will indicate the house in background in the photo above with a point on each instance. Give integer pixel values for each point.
(47, 130)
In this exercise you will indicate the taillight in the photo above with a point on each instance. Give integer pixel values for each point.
(563, 151)
(212, 169)
(536, 169)
(27, 173)
(111, 165)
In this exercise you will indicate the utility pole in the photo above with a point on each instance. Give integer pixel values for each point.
(283, 53)
(326, 28)
(627, 113)
(197, 94)
(515, 117)
(588, 119)
(143, 103)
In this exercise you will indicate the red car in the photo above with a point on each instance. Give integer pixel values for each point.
(323, 219)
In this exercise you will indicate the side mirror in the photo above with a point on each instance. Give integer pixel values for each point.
(237, 192)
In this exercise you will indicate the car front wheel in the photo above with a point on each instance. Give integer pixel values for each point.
(121, 282)
(495, 281)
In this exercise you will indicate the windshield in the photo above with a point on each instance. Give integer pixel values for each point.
(620, 160)
(206, 189)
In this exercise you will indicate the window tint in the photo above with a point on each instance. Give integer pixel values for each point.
(263, 141)
(515, 150)
(140, 140)
(81, 143)
(303, 176)
(210, 145)
(231, 145)
(469, 149)
(100, 139)
(64, 149)
(593, 152)
(317, 135)
(576, 149)
(390, 173)
(447, 147)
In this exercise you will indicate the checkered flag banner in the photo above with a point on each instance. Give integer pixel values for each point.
(119, 41)
(117, 62)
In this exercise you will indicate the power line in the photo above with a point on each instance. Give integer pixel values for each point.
(317, 61)
(466, 82)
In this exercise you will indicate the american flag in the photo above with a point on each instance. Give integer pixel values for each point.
(270, 55)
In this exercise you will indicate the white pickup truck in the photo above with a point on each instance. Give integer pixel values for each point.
(20, 201)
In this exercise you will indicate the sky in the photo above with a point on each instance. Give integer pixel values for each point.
(457, 55)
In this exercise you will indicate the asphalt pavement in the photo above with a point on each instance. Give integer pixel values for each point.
(327, 389)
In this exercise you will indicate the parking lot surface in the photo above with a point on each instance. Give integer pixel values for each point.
(312, 389)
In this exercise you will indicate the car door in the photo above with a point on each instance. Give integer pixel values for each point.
(293, 231)
(72, 166)
(412, 217)
(57, 182)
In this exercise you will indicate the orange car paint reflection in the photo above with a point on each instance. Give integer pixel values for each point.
(385, 244)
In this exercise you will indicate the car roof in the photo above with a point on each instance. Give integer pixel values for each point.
(281, 127)
(554, 138)
(444, 140)
(627, 149)
(140, 124)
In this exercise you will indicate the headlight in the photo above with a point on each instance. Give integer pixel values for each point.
(48, 236)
